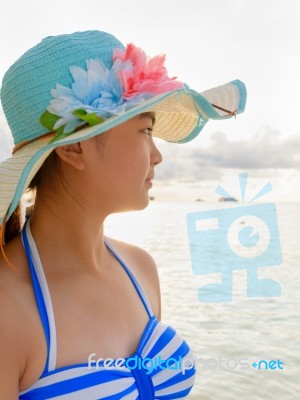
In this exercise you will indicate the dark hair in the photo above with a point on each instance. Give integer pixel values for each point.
(12, 226)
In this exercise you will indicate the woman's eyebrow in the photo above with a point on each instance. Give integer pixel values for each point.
(148, 114)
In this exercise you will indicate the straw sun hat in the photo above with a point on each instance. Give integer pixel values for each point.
(72, 87)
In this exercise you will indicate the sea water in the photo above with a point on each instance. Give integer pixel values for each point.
(226, 337)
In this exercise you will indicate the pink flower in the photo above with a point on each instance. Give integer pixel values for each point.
(140, 74)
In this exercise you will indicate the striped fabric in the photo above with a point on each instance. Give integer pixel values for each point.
(161, 368)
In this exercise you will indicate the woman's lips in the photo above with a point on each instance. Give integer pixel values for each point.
(148, 181)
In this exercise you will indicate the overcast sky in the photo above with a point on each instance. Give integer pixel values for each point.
(207, 43)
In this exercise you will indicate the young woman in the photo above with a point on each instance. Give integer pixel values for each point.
(79, 312)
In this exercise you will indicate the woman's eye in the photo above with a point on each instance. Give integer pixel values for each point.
(148, 131)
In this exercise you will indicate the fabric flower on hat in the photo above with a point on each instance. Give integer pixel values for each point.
(144, 75)
(95, 95)
(98, 93)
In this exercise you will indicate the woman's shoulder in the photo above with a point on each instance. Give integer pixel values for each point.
(16, 293)
(13, 264)
(139, 260)
(20, 329)
(13, 299)
(142, 264)
(15, 284)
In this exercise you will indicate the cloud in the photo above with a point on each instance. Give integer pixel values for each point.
(265, 151)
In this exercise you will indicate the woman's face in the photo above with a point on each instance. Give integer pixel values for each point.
(120, 166)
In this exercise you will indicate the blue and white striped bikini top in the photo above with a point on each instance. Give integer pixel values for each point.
(161, 368)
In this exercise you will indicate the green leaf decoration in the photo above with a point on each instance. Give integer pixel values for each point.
(91, 118)
(60, 134)
(48, 120)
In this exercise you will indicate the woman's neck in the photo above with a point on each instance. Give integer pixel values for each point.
(69, 232)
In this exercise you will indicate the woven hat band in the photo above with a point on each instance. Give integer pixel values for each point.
(19, 146)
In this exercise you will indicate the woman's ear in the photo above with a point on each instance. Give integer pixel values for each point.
(72, 155)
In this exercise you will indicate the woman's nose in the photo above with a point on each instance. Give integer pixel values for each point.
(156, 157)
